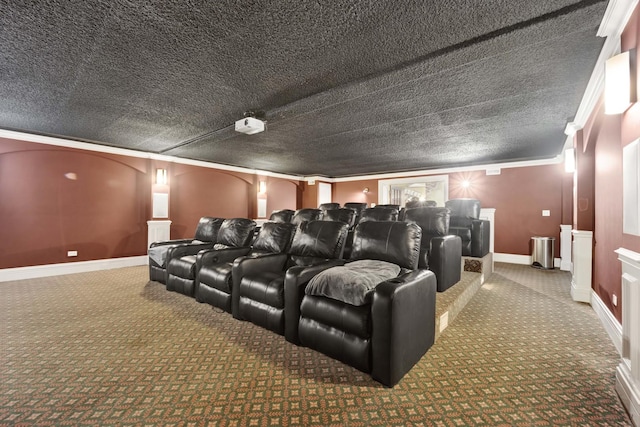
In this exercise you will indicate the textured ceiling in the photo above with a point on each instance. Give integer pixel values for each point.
(346, 87)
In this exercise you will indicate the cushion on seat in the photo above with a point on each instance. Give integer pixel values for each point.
(159, 253)
(352, 283)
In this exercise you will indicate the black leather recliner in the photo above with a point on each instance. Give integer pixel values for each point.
(160, 252)
(377, 312)
(306, 215)
(356, 206)
(326, 206)
(214, 267)
(258, 293)
(348, 216)
(440, 251)
(283, 215)
(181, 271)
(465, 222)
(416, 204)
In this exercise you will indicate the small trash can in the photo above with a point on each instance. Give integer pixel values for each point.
(542, 249)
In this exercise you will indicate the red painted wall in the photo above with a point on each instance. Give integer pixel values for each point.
(56, 200)
(198, 191)
(352, 191)
(609, 134)
(282, 194)
(518, 194)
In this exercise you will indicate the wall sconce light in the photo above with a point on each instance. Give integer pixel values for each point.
(466, 183)
(365, 190)
(262, 187)
(569, 160)
(619, 83)
(161, 176)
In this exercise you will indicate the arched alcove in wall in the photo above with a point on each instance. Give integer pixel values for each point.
(60, 200)
(198, 192)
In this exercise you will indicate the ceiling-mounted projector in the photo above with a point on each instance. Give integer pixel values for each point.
(249, 125)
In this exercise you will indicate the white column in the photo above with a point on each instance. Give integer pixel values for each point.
(582, 260)
(565, 247)
(159, 231)
(628, 371)
(490, 215)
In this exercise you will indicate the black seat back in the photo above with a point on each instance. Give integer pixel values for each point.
(235, 233)
(317, 241)
(379, 214)
(463, 211)
(346, 215)
(274, 237)
(283, 215)
(208, 228)
(391, 241)
(306, 214)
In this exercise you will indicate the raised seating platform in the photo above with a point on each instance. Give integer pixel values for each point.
(451, 302)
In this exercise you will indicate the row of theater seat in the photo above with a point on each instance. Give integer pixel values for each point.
(267, 278)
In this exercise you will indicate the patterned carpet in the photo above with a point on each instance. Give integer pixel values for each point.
(111, 348)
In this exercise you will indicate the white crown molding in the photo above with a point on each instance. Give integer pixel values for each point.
(68, 143)
(613, 23)
(528, 163)
(36, 271)
(616, 17)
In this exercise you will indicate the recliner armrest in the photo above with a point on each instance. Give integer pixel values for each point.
(403, 329)
(246, 266)
(445, 260)
(295, 282)
(184, 250)
(480, 237)
(170, 242)
(215, 256)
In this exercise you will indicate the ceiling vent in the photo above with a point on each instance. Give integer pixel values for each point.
(249, 125)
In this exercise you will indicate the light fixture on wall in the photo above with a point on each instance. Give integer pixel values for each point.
(161, 176)
(262, 187)
(619, 83)
(365, 190)
(569, 160)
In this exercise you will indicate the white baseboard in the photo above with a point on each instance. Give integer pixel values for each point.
(21, 273)
(520, 259)
(628, 392)
(608, 320)
(512, 259)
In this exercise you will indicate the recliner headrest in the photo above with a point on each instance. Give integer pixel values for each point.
(319, 239)
(307, 214)
(207, 229)
(346, 215)
(327, 206)
(434, 221)
(358, 207)
(465, 208)
(235, 232)
(379, 214)
(391, 241)
(283, 215)
(274, 237)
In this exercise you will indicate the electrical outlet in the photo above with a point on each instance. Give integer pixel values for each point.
(72, 253)
(546, 212)
(614, 300)
(444, 321)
